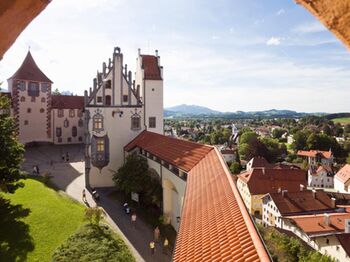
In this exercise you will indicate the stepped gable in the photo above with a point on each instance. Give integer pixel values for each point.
(344, 173)
(67, 102)
(30, 71)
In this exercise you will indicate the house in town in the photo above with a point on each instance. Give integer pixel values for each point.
(255, 183)
(342, 179)
(228, 154)
(124, 115)
(41, 116)
(317, 157)
(321, 177)
(275, 206)
(327, 233)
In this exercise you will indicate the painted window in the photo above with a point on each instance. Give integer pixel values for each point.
(58, 132)
(108, 84)
(33, 89)
(60, 113)
(43, 100)
(97, 122)
(80, 112)
(33, 99)
(80, 122)
(29, 110)
(66, 123)
(100, 145)
(71, 113)
(99, 99)
(42, 110)
(152, 122)
(26, 122)
(45, 87)
(135, 122)
(108, 100)
(125, 98)
(21, 85)
(23, 99)
(74, 131)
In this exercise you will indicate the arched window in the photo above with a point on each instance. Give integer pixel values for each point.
(43, 100)
(42, 110)
(108, 100)
(108, 84)
(29, 110)
(97, 121)
(58, 131)
(23, 99)
(80, 122)
(135, 122)
(74, 131)
(100, 151)
(71, 113)
(66, 123)
(60, 113)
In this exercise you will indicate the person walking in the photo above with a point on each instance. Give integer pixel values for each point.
(63, 157)
(165, 246)
(34, 170)
(152, 247)
(133, 219)
(84, 195)
(67, 157)
(156, 234)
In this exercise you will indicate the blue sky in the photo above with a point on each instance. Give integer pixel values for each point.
(228, 55)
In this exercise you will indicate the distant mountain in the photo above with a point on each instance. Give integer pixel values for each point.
(201, 111)
(192, 110)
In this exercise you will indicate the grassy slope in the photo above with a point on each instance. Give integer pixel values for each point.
(53, 217)
(341, 120)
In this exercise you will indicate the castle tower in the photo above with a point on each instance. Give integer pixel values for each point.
(149, 78)
(30, 89)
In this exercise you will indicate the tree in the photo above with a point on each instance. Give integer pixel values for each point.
(11, 151)
(56, 92)
(278, 132)
(300, 138)
(94, 215)
(348, 159)
(248, 137)
(235, 168)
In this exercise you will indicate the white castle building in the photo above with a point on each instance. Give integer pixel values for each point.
(41, 116)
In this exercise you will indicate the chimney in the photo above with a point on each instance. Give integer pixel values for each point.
(333, 203)
(327, 219)
(284, 192)
(314, 193)
(302, 187)
(347, 225)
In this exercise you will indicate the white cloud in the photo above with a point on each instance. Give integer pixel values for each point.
(313, 27)
(280, 12)
(274, 41)
(215, 37)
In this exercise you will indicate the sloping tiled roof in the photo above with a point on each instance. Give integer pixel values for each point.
(180, 153)
(315, 224)
(344, 240)
(30, 71)
(269, 180)
(151, 67)
(302, 201)
(259, 161)
(215, 226)
(67, 102)
(313, 153)
(14, 18)
(344, 173)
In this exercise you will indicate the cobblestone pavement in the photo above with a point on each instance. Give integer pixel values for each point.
(69, 177)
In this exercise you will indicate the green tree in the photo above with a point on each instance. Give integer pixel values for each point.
(300, 138)
(348, 159)
(94, 215)
(11, 151)
(278, 132)
(248, 137)
(56, 92)
(235, 168)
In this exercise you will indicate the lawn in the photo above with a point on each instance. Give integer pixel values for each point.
(342, 120)
(51, 219)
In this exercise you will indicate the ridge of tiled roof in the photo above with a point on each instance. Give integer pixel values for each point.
(270, 180)
(302, 201)
(30, 71)
(151, 67)
(344, 173)
(215, 225)
(260, 161)
(313, 153)
(315, 224)
(67, 102)
(180, 153)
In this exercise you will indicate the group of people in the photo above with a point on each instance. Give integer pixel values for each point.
(152, 244)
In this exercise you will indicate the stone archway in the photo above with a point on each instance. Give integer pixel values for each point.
(171, 204)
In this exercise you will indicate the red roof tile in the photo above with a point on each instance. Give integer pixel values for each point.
(259, 161)
(344, 173)
(269, 180)
(315, 224)
(302, 201)
(151, 67)
(313, 153)
(180, 153)
(67, 102)
(215, 225)
(30, 71)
